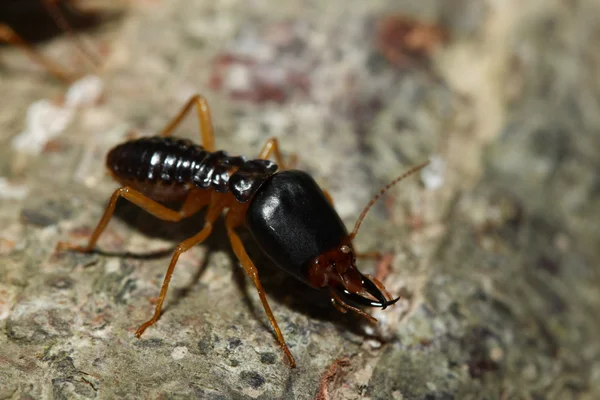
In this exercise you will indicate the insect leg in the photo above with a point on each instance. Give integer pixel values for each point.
(250, 268)
(191, 205)
(53, 9)
(339, 302)
(9, 36)
(213, 213)
(271, 147)
(369, 254)
(203, 110)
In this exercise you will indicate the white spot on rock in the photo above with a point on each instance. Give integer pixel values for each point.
(238, 78)
(374, 344)
(44, 121)
(112, 266)
(84, 92)
(433, 175)
(12, 191)
(179, 352)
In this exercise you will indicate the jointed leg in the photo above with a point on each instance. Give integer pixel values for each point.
(203, 110)
(9, 36)
(60, 20)
(240, 252)
(212, 215)
(271, 147)
(338, 306)
(369, 254)
(191, 205)
(337, 302)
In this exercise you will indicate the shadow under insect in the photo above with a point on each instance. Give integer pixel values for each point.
(286, 289)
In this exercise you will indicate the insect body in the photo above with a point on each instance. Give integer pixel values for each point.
(289, 215)
(166, 168)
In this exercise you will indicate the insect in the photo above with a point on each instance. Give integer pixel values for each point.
(289, 215)
(23, 22)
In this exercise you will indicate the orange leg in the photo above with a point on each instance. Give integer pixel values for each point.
(250, 268)
(338, 307)
(192, 204)
(339, 302)
(369, 254)
(328, 196)
(203, 110)
(9, 36)
(60, 20)
(271, 147)
(214, 212)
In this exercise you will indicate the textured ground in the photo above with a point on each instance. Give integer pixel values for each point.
(495, 248)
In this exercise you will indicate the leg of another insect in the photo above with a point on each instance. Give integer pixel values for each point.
(337, 301)
(191, 205)
(213, 213)
(9, 36)
(206, 128)
(250, 268)
(60, 20)
(271, 147)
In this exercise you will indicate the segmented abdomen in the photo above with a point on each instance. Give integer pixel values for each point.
(169, 160)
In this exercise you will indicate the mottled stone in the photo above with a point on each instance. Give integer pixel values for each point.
(495, 247)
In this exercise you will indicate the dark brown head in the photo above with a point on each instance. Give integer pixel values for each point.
(336, 269)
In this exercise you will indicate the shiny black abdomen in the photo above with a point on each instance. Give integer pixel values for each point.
(170, 160)
(293, 222)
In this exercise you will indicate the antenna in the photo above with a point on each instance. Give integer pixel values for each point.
(381, 193)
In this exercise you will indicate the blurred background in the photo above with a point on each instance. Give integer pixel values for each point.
(494, 247)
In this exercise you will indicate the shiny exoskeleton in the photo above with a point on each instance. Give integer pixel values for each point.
(289, 215)
(172, 166)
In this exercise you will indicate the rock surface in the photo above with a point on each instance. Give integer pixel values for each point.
(495, 246)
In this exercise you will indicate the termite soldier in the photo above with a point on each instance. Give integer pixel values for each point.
(289, 215)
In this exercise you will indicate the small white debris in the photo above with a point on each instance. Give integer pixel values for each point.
(373, 343)
(11, 191)
(85, 92)
(369, 330)
(179, 352)
(433, 175)
(112, 265)
(250, 46)
(238, 78)
(44, 122)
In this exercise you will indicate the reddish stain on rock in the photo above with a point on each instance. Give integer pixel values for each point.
(244, 78)
(403, 40)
